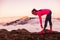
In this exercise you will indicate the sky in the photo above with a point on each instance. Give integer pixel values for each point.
(10, 8)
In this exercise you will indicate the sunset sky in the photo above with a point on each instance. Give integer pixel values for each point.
(10, 8)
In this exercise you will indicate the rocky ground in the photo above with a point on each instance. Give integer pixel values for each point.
(22, 34)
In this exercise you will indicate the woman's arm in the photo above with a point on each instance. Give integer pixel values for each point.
(40, 19)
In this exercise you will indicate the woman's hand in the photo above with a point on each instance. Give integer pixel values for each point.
(41, 26)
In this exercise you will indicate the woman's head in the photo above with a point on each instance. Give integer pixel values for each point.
(34, 12)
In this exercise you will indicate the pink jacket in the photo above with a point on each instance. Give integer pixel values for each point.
(42, 12)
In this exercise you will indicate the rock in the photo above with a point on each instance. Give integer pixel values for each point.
(23, 34)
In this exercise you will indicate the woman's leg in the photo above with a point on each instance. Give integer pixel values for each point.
(50, 22)
(46, 21)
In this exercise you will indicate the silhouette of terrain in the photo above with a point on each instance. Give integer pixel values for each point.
(22, 21)
(23, 34)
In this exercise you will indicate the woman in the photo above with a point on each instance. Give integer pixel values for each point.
(42, 12)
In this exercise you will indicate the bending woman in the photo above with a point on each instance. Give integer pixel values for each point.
(42, 12)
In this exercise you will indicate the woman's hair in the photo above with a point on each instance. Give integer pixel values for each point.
(34, 11)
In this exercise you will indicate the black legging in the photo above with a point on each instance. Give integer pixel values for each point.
(48, 19)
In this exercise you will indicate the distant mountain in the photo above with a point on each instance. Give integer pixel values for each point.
(58, 18)
(21, 21)
(4, 20)
(24, 20)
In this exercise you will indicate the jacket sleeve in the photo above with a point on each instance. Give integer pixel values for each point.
(40, 19)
